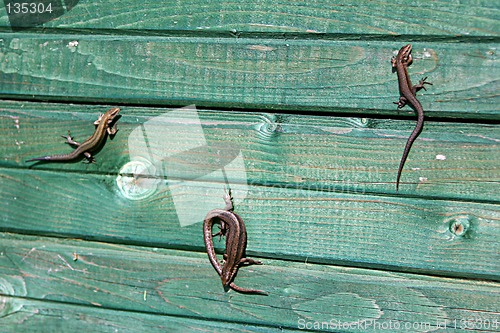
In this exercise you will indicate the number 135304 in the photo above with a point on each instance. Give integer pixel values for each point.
(28, 8)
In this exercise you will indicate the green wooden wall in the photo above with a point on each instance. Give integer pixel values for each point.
(303, 91)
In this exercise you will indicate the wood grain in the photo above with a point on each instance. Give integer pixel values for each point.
(183, 284)
(360, 155)
(320, 17)
(396, 233)
(295, 106)
(300, 75)
(28, 315)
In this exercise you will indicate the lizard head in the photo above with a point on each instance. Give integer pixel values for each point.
(226, 278)
(405, 54)
(113, 112)
(108, 116)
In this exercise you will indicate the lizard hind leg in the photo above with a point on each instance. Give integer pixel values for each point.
(70, 141)
(421, 85)
(249, 261)
(222, 230)
(401, 103)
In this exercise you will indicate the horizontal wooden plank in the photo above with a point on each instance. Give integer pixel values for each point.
(183, 284)
(395, 233)
(305, 75)
(363, 17)
(448, 161)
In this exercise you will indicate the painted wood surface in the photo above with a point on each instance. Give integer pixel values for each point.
(148, 281)
(300, 95)
(274, 74)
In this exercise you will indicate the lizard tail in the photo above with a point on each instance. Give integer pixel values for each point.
(413, 136)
